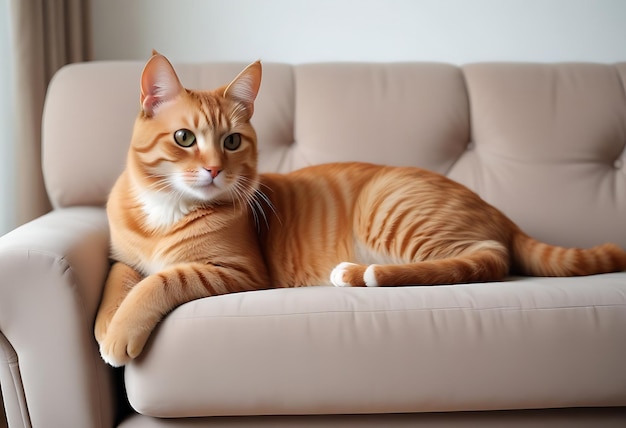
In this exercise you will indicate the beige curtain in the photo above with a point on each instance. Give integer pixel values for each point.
(46, 34)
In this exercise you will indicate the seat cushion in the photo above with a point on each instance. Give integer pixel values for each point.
(519, 344)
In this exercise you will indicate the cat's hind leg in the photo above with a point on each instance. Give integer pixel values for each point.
(348, 275)
(481, 262)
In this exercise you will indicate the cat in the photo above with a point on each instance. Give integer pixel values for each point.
(191, 217)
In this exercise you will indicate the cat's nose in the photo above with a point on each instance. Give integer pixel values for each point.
(213, 170)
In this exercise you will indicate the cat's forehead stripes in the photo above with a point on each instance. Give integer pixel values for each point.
(218, 112)
(210, 111)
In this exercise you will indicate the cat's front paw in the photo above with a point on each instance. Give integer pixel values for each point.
(122, 344)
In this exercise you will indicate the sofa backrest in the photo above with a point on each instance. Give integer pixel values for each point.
(545, 143)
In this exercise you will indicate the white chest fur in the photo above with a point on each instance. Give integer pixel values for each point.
(163, 209)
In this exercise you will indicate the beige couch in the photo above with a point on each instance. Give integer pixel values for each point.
(544, 143)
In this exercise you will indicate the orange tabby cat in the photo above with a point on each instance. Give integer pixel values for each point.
(190, 217)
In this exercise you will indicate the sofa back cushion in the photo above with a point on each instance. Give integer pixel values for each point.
(549, 148)
(545, 143)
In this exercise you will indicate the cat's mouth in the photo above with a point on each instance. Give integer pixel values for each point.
(205, 184)
(207, 191)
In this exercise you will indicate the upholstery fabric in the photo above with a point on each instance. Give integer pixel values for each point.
(515, 345)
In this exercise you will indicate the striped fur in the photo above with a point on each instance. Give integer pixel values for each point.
(197, 221)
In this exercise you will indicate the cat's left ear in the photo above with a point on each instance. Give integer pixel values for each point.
(245, 87)
(159, 84)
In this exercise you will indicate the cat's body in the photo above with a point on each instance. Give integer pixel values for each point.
(367, 214)
(190, 217)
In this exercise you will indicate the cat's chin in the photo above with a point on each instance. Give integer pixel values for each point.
(209, 194)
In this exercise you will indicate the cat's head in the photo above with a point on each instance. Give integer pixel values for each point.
(194, 147)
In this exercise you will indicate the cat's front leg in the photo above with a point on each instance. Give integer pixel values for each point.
(155, 296)
(119, 282)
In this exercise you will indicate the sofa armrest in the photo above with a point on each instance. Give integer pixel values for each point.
(52, 271)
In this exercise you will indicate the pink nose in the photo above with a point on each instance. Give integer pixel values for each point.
(214, 171)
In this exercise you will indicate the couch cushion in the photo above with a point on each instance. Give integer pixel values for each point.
(548, 148)
(525, 343)
(407, 114)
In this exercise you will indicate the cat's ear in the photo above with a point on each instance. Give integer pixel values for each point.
(245, 87)
(159, 84)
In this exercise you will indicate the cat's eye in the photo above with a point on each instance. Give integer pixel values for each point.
(184, 138)
(232, 142)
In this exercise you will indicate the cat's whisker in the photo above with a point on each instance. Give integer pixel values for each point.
(257, 221)
(164, 182)
(255, 203)
(158, 187)
(237, 196)
(260, 199)
(243, 191)
(268, 202)
(258, 193)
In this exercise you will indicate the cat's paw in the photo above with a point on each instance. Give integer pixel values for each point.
(347, 274)
(369, 276)
(120, 345)
(337, 274)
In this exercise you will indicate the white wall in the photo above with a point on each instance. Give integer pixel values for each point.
(296, 31)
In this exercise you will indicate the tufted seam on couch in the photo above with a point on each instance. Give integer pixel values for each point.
(470, 145)
(620, 162)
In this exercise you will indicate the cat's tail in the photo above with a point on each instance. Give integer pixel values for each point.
(535, 258)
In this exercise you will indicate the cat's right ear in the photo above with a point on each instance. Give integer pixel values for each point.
(159, 84)
(245, 87)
